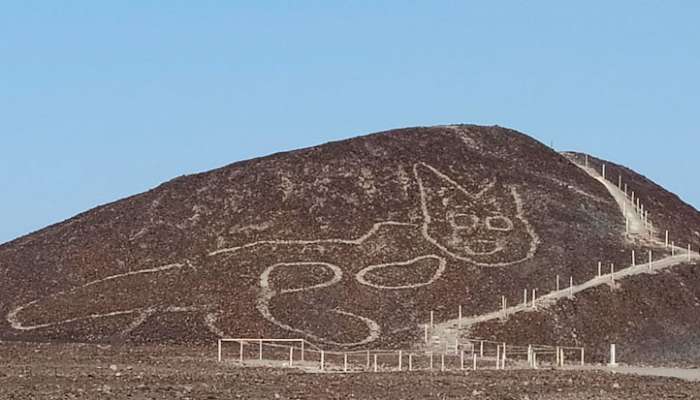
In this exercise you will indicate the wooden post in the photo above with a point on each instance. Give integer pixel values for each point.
(459, 320)
(571, 286)
(260, 345)
(323, 358)
(612, 272)
(498, 357)
(291, 356)
(400, 360)
(619, 181)
(219, 349)
(613, 362)
(562, 358)
(240, 354)
(345, 362)
(689, 253)
(375, 363)
(586, 160)
(432, 319)
(673, 248)
(651, 261)
(666, 239)
(426, 333)
(534, 359)
(368, 360)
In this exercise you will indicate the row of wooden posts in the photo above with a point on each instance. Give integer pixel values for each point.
(372, 363)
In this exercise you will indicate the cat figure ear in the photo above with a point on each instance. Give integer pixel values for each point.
(485, 226)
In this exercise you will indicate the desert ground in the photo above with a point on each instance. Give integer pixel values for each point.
(122, 371)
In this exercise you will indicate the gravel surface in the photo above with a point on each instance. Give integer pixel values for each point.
(31, 371)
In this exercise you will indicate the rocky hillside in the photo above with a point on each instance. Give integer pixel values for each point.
(347, 244)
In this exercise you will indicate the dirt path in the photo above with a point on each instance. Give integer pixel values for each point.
(453, 330)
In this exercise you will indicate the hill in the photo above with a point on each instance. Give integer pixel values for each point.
(348, 244)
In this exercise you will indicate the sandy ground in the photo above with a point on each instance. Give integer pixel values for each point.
(70, 371)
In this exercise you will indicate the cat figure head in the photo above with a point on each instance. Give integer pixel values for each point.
(486, 228)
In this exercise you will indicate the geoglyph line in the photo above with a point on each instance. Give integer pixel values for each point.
(450, 330)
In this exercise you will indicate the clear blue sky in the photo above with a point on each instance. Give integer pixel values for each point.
(100, 100)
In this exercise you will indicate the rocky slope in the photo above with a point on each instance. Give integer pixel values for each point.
(347, 244)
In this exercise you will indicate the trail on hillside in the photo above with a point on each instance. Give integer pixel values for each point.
(452, 331)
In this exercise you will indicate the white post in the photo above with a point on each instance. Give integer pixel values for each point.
(345, 362)
(456, 346)
(431, 360)
(461, 360)
(557, 350)
(600, 269)
(432, 319)
(498, 357)
(619, 181)
(626, 195)
(534, 297)
(442, 362)
(459, 323)
(603, 171)
(571, 286)
(481, 350)
(474, 362)
(651, 260)
(634, 260)
(291, 356)
(529, 355)
(302, 350)
(688, 253)
(410, 362)
(323, 358)
(583, 360)
(261, 342)
(375, 363)
(534, 359)
(525, 297)
(613, 362)
(586, 160)
(369, 361)
(400, 359)
(667, 239)
(240, 354)
(627, 225)
(562, 357)
(612, 272)
(557, 283)
(504, 355)
(219, 349)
